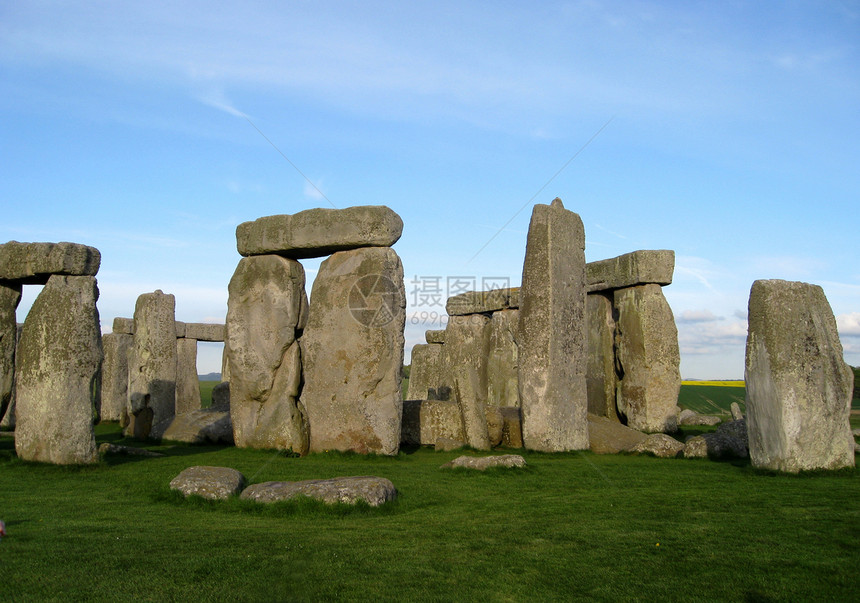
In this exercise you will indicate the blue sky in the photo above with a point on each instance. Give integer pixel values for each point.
(730, 133)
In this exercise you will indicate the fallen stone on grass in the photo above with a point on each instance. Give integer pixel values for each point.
(348, 490)
(201, 426)
(660, 445)
(214, 483)
(856, 433)
(728, 441)
(606, 436)
(486, 462)
(691, 417)
(108, 448)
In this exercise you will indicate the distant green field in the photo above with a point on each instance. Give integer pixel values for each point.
(206, 388)
(711, 399)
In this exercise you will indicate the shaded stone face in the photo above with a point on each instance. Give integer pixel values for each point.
(467, 340)
(115, 375)
(552, 360)
(502, 359)
(58, 363)
(428, 375)
(601, 379)
(34, 263)
(798, 386)
(10, 295)
(320, 232)
(353, 352)
(648, 358)
(631, 269)
(187, 381)
(266, 305)
(152, 366)
(427, 421)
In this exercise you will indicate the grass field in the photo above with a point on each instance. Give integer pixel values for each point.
(206, 388)
(571, 527)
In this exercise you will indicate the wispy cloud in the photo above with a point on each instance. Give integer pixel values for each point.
(698, 316)
(848, 324)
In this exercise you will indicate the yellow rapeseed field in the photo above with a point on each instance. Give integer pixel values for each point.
(715, 383)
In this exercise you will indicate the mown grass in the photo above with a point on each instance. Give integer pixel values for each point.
(710, 399)
(572, 527)
(206, 388)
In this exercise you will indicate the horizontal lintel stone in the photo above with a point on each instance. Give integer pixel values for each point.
(205, 331)
(34, 263)
(435, 336)
(631, 269)
(480, 302)
(319, 232)
(123, 325)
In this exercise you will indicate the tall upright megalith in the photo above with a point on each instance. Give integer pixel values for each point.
(648, 358)
(601, 374)
(552, 338)
(152, 366)
(466, 347)
(353, 352)
(115, 375)
(798, 385)
(58, 363)
(266, 308)
(10, 295)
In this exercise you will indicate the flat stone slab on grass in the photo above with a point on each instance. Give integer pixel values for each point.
(214, 483)
(33, 263)
(201, 426)
(319, 232)
(631, 269)
(660, 445)
(691, 417)
(348, 490)
(108, 448)
(606, 436)
(486, 462)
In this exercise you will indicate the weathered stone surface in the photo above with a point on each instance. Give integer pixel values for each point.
(7, 420)
(108, 448)
(798, 386)
(608, 436)
(735, 408)
(187, 381)
(115, 375)
(465, 351)
(124, 326)
(426, 421)
(551, 336)
(214, 483)
(179, 329)
(10, 295)
(221, 396)
(631, 269)
(482, 463)
(479, 302)
(202, 331)
(348, 490)
(728, 441)
(601, 379)
(58, 362)
(265, 307)
(320, 232)
(428, 379)
(691, 417)
(661, 445)
(448, 444)
(152, 366)
(649, 359)
(34, 263)
(512, 427)
(855, 433)
(502, 359)
(434, 336)
(495, 425)
(353, 352)
(202, 426)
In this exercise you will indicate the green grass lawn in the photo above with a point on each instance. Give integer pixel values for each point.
(206, 388)
(571, 526)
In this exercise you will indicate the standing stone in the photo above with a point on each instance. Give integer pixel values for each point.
(467, 340)
(649, 359)
(798, 387)
(10, 295)
(502, 383)
(552, 341)
(58, 365)
(266, 305)
(428, 378)
(152, 366)
(7, 422)
(601, 378)
(187, 381)
(353, 352)
(115, 375)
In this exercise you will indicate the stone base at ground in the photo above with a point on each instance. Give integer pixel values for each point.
(660, 445)
(214, 483)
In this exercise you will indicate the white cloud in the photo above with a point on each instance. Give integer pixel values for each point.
(698, 316)
(848, 324)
